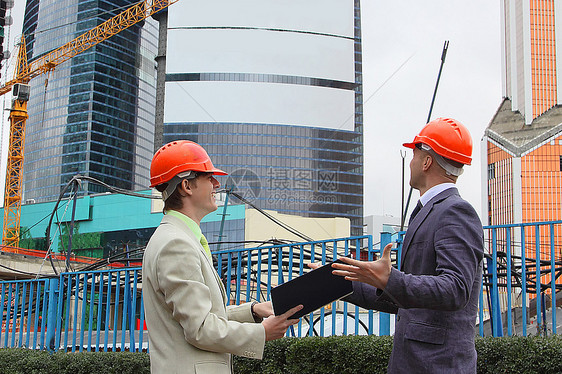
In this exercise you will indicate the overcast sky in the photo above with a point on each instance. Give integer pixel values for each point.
(402, 44)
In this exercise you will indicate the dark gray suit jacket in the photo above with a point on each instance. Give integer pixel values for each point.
(436, 293)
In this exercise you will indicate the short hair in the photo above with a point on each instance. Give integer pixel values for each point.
(174, 201)
(450, 167)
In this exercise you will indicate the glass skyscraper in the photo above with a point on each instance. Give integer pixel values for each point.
(273, 91)
(94, 115)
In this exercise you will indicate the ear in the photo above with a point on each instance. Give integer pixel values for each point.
(185, 188)
(427, 162)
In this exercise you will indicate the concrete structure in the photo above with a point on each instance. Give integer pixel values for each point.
(521, 144)
(522, 178)
(258, 228)
(532, 49)
(273, 91)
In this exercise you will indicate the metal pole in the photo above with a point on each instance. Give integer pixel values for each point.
(71, 226)
(53, 287)
(402, 213)
(406, 210)
(443, 56)
(384, 318)
(223, 218)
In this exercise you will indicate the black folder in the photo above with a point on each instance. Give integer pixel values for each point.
(313, 290)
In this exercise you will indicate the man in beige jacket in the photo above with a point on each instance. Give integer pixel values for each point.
(191, 330)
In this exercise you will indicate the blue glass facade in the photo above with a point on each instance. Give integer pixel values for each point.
(307, 170)
(300, 170)
(95, 115)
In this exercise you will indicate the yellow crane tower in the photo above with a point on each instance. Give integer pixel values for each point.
(18, 114)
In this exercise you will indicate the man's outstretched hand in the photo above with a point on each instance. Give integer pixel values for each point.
(375, 273)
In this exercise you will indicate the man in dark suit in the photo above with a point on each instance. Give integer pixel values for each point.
(435, 294)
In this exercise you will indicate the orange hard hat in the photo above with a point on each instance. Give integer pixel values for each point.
(448, 138)
(177, 157)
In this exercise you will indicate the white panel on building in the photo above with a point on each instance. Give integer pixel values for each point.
(249, 102)
(333, 17)
(260, 52)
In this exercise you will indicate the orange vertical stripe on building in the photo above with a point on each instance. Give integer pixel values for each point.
(543, 56)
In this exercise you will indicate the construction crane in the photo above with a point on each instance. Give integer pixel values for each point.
(18, 113)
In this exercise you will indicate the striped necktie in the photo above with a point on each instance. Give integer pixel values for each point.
(205, 245)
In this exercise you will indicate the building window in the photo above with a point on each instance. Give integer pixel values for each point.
(492, 170)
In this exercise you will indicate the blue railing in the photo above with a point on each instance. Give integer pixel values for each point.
(521, 279)
(103, 310)
(97, 310)
(249, 274)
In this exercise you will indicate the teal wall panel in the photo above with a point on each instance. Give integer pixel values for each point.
(104, 213)
(81, 212)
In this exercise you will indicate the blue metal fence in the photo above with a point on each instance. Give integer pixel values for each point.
(103, 310)
(521, 279)
(98, 310)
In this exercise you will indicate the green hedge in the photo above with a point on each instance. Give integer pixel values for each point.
(337, 355)
(520, 355)
(25, 361)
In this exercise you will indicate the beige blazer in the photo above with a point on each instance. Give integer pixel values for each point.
(189, 326)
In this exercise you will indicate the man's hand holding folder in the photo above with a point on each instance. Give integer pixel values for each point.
(313, 290)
